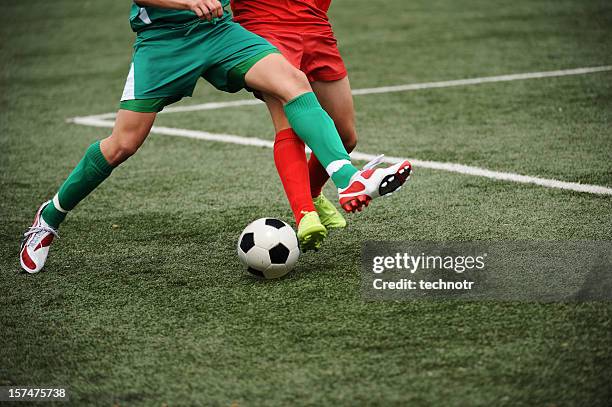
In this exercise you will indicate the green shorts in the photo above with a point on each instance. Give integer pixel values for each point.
(167, 62)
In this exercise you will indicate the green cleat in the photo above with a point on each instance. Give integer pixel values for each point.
(311, 232)
(330, 217)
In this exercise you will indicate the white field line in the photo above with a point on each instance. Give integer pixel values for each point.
(486, 79)
(391, 89)
(450, 167)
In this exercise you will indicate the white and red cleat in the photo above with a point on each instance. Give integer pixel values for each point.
(36, 243)
(370, 183)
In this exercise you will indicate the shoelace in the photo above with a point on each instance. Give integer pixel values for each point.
(39, 229)
(374, 162)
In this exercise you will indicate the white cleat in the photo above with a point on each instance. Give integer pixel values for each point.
(36, 243)
(372, 182)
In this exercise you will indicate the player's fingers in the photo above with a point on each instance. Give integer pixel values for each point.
(202, 10)
(204, 13)
(219, 9)
(207, 13)
(215, 8)
(198, 12)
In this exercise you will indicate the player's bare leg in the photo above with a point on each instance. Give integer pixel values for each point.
(337, 100)
(277, 114)
(290, 160)
(295, 171)
(130, 131)
(275, 76)
(281, 83)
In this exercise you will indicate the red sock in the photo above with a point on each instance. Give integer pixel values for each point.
(290, 160)
(318, 176)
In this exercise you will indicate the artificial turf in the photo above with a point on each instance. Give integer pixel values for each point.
(144, 301)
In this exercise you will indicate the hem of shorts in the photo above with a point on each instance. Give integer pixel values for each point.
(327, 78)
(310, 27)
(252, 60)
(153, 97)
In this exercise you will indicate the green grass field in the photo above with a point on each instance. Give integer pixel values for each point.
(144, 301)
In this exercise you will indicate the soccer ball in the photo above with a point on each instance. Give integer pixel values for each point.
(268, 247)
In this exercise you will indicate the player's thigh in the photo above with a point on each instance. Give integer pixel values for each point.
(133, 127)
(277, 113)
(275, 76)
(230, 52)
(336, 98)
(240, 58)
(166, 65)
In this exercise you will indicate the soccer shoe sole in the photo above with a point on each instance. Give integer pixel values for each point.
(394, 182)
(387, 186)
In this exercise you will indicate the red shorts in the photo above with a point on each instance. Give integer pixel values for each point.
(314, 52)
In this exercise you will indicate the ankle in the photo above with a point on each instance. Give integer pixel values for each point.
(52, 216)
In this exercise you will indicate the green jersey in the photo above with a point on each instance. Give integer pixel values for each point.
(142, 18)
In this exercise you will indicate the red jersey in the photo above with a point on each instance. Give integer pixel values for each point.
(274, 13)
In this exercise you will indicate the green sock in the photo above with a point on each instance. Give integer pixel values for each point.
(86, 176)
(317, 130)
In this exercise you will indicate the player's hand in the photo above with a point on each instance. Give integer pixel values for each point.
(206, 9)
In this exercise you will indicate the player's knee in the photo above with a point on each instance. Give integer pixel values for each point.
(127, 149)
(299, 78)
(120, 148)
(296, 84)
(301, 82)
(119, 153)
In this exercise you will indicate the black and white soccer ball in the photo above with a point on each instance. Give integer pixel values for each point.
(268, 247)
